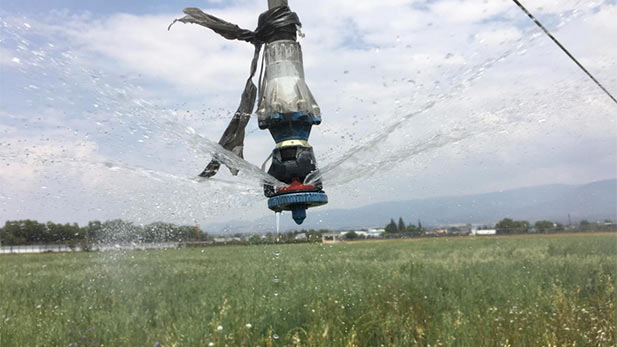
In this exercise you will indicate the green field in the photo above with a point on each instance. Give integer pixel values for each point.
(497, 291)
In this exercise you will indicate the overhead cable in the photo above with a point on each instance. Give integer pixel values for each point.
(564, 49)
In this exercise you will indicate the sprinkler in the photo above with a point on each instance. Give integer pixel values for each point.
(286, 106)
(288, 110)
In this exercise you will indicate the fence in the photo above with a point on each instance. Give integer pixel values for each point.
(37, 249)
(100, 247)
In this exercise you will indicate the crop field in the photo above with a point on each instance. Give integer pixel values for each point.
(556, 290)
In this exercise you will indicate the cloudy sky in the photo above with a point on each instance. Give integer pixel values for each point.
(106, 114)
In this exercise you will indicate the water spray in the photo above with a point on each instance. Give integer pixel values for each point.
(286, 106)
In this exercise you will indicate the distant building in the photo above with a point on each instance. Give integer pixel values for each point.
(436, 232)
(480, 232)
(226, 239)
(375, 232)
(330, 238)
(301, 236)
(366, 233)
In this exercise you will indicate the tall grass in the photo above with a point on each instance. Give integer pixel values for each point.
(519, 291)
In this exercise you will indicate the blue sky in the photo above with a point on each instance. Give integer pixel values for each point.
(106, 114)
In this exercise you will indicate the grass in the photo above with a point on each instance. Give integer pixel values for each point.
(520, 291)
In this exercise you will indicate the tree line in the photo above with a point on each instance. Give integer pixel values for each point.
(508, 226)
(402, 228)
(29, 232)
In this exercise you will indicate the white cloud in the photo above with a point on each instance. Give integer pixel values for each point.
(457, 12)
(498, 36)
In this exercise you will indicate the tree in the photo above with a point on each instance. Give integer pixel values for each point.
(509, 226)
(521, 227)
(544, 226)
(391, 228)
(419, 226)
(352, 235)
(413, 230)
(585, 225)
(505, 226)
(401, 225)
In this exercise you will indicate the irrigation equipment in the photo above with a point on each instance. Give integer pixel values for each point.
(286, 106)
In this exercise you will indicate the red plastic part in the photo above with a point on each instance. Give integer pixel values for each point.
(295, 186)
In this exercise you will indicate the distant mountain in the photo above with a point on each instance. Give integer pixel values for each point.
(593, 201)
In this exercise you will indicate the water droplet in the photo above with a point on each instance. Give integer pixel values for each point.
(16, 60)
(275, 336)
(249, 325)
(276, 294)
(219, 328)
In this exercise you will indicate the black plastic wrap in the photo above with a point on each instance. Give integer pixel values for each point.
(275, 24)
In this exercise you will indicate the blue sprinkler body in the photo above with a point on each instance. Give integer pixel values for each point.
(288, 110)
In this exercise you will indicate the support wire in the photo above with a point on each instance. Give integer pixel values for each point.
(564, 49)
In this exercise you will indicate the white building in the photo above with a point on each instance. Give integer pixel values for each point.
(481, 232)
(330, 237)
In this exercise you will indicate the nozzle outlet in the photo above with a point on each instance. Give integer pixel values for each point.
(299, 214)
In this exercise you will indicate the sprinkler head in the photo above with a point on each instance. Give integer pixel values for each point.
(297, 202)
(288, 110)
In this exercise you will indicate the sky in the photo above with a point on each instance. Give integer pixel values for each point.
(105, 114)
